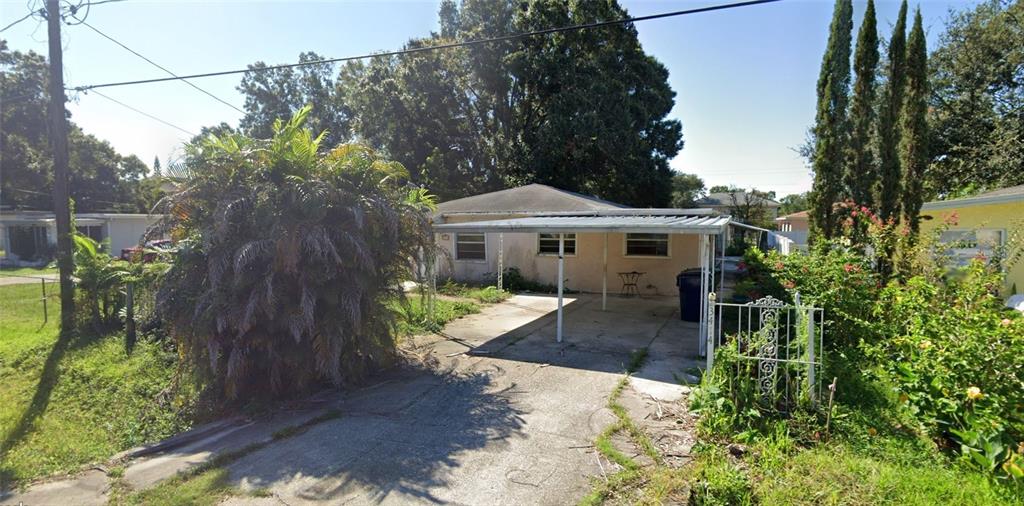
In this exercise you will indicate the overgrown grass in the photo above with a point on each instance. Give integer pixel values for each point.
(632, 474)
(65, 403)
(875, 455)
(413, 317)
(481, 294)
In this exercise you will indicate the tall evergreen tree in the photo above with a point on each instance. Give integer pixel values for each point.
(830, 128)
(860, 169)
(887, 193)
(157, 169)
(914, 126)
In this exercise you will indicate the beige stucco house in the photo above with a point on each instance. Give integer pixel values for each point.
(600, 238)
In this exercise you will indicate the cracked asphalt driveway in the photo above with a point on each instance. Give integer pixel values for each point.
(510, 422)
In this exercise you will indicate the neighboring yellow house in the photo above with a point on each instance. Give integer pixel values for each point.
(982, 223)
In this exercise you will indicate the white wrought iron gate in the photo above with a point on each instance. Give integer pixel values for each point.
(783, 340)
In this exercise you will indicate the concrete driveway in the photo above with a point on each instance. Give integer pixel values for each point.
(499, 413)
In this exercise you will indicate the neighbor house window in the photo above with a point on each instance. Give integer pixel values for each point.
(470, 247)
(547, 244)
(94, 232)
(647, 245)
(965, 245)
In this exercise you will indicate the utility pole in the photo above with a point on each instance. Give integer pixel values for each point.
(59, 142)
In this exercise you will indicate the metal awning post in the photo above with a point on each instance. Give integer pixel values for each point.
(703, 261)
(561, 281)
(501, 261)
(604, 279)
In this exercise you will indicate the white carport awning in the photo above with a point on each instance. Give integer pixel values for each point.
(652, 224)
(652, 221)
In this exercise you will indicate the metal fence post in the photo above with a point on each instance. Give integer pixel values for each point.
(810, 357)
(46, 315)
(129, 315)
(709, 332)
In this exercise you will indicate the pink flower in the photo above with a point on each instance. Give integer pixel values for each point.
(850, 268)
(789, 284)
(1006, 322)
(952, 219)
(779, 266)
(864, 209)
(853, 213)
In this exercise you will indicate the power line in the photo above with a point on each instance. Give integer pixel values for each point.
(30, 14)
(146, 114)
(474, 42)
(102, 2)
(157, 65)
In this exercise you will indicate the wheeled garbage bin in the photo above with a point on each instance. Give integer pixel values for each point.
(688, 282)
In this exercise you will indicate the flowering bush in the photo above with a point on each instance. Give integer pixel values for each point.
(839, 280)
(953, 354)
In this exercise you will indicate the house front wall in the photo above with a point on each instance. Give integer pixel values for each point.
(127, 231)
(1007, 217)
(583, 270)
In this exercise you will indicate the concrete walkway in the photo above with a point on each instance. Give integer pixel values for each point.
(6, 280)
(493, 411)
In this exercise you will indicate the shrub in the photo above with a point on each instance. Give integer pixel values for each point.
(839, 280)
(287, 260)
(514, 281)
(953, 354)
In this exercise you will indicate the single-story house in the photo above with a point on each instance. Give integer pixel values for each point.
(474, 255)
(979, 225)
(795, 226)
(576, 242)
(30, 237)
(725, 202)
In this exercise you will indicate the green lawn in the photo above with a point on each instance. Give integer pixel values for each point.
(66, 404)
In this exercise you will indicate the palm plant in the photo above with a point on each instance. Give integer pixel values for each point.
(99, 277)
(288, 255)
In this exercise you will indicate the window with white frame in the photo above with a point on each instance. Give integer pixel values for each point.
(470, 247)
(965, 245)
(647, 245)
(94, 232)
(547, 244)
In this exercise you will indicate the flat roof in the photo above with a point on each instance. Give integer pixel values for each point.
(626, 222)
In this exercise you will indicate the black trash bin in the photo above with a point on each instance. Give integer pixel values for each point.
(688, 282)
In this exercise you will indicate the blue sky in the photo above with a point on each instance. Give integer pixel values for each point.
(744, 78)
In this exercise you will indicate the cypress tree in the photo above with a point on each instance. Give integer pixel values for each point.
(887, 192)
(830, 123)
(860, 171)
(914, 127)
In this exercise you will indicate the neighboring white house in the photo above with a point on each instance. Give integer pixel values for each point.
(603, 240)
(30, 237)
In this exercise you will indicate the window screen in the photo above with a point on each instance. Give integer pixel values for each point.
(470, 247)
(547, 244)
(647, 245)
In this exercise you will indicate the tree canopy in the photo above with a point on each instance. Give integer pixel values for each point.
(687, 189)
(830, 123)
(101, 178)
(583, 110)
(976, 104)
